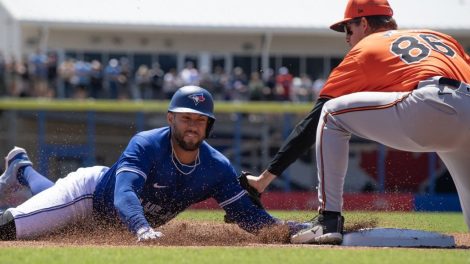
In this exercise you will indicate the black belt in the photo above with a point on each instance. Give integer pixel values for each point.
(450, 82)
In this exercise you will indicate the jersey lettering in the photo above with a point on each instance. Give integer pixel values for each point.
(411, 50)
(152, 209)
(437, 45)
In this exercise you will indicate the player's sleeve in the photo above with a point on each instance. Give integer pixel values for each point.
(131, 175)
(301, 138)
(126, 201)
(138, 157)
(239, 207)
(456, 46)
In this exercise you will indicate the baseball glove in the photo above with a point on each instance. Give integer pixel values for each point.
(254, 195)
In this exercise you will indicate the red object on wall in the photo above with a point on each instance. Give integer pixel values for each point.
(308, 201)
(404, 171)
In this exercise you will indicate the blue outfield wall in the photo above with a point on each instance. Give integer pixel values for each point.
(439, 202)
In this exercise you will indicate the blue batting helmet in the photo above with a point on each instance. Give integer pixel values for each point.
(193, 99)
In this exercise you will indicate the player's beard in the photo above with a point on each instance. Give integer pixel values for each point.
(179, 139)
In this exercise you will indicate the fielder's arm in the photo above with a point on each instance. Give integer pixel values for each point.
(300, 140)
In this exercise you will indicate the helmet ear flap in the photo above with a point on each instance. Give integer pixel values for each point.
(210, 124)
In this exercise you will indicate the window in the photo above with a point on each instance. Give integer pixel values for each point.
(71, 54)
(193, 59)
(314, 67)
(167, 61)
(90, 56)
(292, 64)
(117, 56)
(243, 62)
(142, 59)
(218, 62)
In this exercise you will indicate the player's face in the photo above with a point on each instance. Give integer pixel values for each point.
(355, 31)
(188, 129)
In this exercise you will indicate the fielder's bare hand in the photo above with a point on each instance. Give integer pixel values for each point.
(262, 181)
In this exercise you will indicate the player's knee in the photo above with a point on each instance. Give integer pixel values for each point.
(7, 226)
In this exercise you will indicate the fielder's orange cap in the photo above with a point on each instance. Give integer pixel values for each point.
(361, 8)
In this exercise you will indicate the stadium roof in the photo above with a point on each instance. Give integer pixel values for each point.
(292, 16)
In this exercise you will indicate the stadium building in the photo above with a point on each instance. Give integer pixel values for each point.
(254, 35)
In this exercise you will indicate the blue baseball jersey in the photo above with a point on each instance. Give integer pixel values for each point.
(144, 187)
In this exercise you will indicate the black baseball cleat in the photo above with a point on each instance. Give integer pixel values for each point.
(327, 229)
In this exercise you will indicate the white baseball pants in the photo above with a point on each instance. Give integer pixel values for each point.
(432, 118)
(68, 201)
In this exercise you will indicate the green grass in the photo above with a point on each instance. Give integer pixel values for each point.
(231, 255)
(439, 222)
(428, 221)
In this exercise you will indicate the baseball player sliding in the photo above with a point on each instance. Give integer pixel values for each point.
(160, 174)
(407, 89)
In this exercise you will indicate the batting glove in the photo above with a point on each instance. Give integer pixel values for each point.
(147, 234)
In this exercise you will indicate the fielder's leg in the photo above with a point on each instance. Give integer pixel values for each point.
(432, 118)
(339, 119)
(460, 172)
(426, 120)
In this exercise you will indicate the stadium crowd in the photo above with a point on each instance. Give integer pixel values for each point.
(42, 75)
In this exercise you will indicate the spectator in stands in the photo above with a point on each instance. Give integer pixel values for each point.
(256, 87)
(302, 88)
(189, 75)
(317, 86)
(82, 79)
(38, 70)
(171, 83)
(66, 74)
(96, 79)
(124, 79)
(3, 67)
(111, 75)
(237, 89)
(283, 84)
(269, 79)
(156, 77)
(142, 87)
(22, 82)
(219, 81)
(116, 80)
(205, 80)
(52, 74)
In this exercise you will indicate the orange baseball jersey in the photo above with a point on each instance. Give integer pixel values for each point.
(395, 61)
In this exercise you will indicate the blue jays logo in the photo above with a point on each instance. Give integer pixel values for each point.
(197, 98)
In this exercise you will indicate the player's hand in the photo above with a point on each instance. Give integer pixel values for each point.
(253, 193)
(148, 234)
(260, 182)
(254, 181)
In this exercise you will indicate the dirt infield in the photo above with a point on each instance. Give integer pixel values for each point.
(177, 233)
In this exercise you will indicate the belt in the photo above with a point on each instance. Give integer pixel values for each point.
(450, 82)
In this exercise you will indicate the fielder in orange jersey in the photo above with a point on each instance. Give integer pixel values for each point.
(407, 89)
